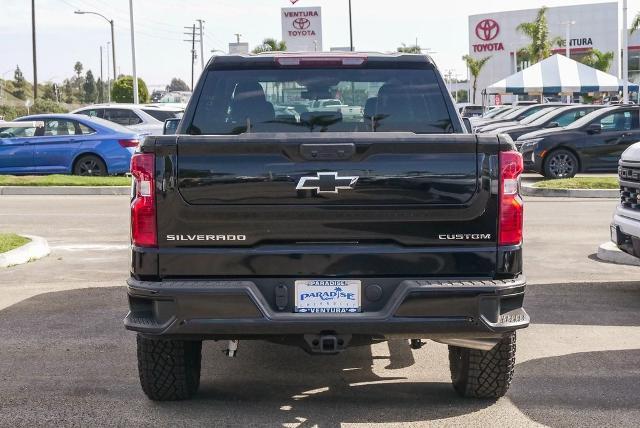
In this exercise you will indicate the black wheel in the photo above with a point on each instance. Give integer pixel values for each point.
(561, 164)
(89, 165)
(483, 374)
(169, 369)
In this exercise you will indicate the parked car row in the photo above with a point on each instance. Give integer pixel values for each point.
(93, 140)
(66, 144)
(560, 140)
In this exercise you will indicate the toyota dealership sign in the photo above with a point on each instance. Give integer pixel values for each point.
(302, 28)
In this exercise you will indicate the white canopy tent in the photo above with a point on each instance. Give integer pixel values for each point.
(558, 75)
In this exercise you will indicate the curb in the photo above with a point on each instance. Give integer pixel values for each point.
(528, 190)
(65, 190)
(36, 249)
(609, 252)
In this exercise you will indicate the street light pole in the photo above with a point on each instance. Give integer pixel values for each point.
(350, 29)
(625, 54)
(136, 99)
(113, 42)
(33, 39)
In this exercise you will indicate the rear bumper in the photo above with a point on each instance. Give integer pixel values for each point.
(238, 309)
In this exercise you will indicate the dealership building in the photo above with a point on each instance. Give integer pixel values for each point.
(591, 26)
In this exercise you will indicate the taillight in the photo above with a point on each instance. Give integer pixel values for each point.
(129, 143)
(511, 205)
(143, 204)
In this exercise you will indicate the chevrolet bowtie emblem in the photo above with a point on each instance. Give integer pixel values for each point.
(326, 182)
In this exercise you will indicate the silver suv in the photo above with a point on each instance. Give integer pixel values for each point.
(625, 228)
(145, 119)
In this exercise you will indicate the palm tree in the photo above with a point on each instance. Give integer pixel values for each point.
(410, 49)
(475, 67)
(636, 23)
(599, 60)
(269, 45)
(538, 32)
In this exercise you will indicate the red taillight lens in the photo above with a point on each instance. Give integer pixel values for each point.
(511, 205)
(128, 143)
(143, 204)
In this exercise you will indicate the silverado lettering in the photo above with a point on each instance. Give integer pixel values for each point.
(206, 237)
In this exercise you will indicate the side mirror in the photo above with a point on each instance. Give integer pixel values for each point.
(467, 124)
(170, 126)
(553, 125)
(594, 128)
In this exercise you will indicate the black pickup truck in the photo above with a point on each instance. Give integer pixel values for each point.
(324, 231)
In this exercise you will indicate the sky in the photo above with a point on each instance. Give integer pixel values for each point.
(161, 53)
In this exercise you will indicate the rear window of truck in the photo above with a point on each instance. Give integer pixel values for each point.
(286, 100)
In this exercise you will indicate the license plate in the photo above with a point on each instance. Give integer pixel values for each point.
(327, 296)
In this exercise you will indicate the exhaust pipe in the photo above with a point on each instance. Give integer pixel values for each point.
(479, 344)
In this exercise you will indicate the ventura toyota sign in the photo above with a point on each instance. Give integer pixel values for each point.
(302, 28)
(486, 31)
(495, 35)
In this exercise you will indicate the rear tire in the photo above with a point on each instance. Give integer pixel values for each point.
(169, 369)
(89, 165)
(483, 374)
(561, 164)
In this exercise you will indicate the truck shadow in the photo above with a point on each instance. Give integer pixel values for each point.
(66, 359)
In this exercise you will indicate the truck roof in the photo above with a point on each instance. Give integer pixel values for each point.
(330, 58)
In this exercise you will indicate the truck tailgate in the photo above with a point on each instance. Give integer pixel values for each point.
(302, 205)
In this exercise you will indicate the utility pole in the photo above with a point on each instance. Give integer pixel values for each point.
(625, 53)
(350, 29)
(33, 40)
(201, 27)
(136, 98)
(102, 78)
(192, 40)
(108, 80)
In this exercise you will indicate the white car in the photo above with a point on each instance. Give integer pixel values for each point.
(146, 119)
(625, 228)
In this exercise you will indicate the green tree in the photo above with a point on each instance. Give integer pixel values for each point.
(538, 32)
(177, 85)
(599, 60)
(410, 49)
(269, 45)
(122, 90)
(19, 84)
(48, 92)
(78, 68)
(89, 88)
(475, 68)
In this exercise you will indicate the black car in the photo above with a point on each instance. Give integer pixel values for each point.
(556, 118)
(593, 143)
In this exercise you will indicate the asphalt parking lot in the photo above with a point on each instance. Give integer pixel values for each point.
(65, 358)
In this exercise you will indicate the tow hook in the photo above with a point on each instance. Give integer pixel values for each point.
(232, 349)
(416, 343)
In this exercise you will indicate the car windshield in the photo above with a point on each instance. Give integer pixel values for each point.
(588, 118)
(539, 117)
(496, 111)
(370, 100)
(162, 115)
(511, 114)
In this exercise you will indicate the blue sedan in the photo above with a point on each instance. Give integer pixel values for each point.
(67, 144)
